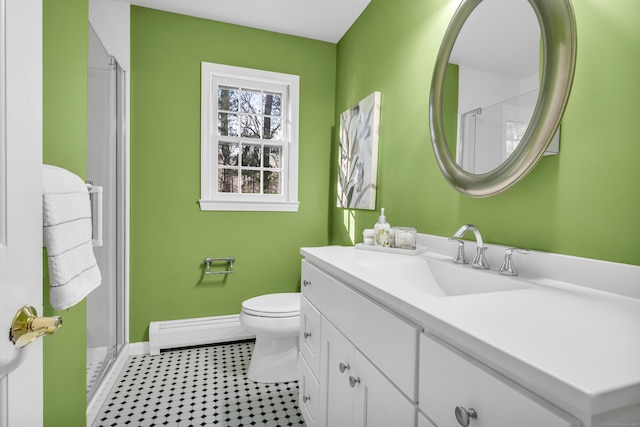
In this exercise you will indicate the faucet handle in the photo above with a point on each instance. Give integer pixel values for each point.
(508, 268)
(460, 258)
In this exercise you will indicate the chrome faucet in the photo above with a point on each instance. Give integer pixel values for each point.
(480, 261)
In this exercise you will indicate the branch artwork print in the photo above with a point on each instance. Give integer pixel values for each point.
(358, 161)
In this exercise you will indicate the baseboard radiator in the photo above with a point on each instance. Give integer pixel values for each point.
(197, 331)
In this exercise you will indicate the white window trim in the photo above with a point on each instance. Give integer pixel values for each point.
(210, 200)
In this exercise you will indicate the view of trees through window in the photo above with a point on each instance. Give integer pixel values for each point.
(250, 141)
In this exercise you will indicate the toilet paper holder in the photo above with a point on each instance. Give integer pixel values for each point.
(209, 261)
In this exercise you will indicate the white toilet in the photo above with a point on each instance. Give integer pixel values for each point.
(275, 319)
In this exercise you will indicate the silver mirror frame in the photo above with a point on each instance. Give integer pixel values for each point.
(558, 31)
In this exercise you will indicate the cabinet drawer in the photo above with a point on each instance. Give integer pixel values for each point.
(449, 378)
(389, 341)
(310, 335)
(309, 394)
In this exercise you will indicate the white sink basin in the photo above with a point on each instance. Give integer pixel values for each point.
(455, 279)
(441, 277)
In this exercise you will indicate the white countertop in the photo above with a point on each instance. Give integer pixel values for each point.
(576, 346)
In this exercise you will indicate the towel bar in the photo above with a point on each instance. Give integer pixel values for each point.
(95, 193)
(209, 261)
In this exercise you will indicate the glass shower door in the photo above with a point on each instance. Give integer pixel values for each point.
(105, 305)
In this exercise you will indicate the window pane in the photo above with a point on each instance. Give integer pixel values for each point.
(272, 104)
(251, 101)
(515, 131)
(228, 154)
(228, 98)
(272, 157)
(227, 124)
(251, 155)
(250, 126)
(227, 181)
(272, 128)
(251, 182)
(271, 182)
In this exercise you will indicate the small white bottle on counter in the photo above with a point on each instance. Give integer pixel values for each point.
(382, 232)
(368, 236)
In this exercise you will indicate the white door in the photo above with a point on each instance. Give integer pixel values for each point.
(20, 205)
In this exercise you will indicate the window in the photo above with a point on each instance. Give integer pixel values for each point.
(249, 142)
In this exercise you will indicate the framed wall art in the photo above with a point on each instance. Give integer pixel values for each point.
(358, 157)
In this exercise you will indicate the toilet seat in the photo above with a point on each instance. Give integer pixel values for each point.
(273, 305)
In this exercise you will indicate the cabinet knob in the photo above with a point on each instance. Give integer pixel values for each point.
(307, 335)
(343, 367)
(306, 398)
(353, 381)
(306, 282)
(464, 416)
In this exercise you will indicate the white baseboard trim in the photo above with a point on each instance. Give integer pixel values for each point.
(138, 348)
(96, 354)
(196, 331)
(101, 394)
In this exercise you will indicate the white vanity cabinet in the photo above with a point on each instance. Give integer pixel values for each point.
(423, 421)
(366, 364)
(309, 394)
(551, 348)
(357, 393)
(451, 382)
(309, 364)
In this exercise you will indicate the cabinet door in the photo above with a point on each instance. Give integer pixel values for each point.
(336, 367)
(378, 402)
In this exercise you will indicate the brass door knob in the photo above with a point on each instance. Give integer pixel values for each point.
(27, 326)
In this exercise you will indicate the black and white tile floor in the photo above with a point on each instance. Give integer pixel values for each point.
(203, 386)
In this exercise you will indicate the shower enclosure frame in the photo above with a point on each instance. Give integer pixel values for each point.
(107, 166)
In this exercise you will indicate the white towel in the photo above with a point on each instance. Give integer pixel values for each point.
(67, 229)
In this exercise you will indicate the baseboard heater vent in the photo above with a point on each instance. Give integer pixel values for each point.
(197, 331)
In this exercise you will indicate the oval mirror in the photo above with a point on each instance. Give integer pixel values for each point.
(500, 86)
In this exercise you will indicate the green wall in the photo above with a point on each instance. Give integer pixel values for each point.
(583, 202)
(65, 50)
(170, 236)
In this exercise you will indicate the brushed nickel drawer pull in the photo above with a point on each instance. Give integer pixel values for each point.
(464, 416)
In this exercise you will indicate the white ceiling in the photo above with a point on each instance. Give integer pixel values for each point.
(501, 36)
(326, 20)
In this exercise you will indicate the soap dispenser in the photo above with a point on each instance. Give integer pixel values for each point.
(382, 232)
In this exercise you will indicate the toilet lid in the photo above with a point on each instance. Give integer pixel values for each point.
(273, 305)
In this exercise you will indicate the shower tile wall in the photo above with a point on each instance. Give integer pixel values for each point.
(204, 386)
